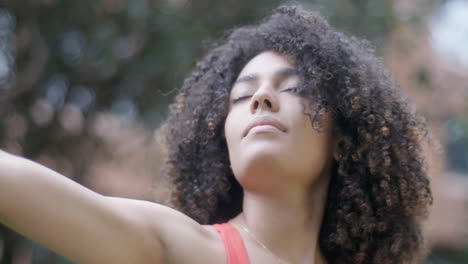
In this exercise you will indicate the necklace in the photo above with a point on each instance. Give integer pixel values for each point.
(245, 229)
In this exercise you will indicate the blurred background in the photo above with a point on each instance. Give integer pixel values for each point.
(85, 84)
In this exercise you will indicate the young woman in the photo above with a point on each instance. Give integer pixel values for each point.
(288, 143)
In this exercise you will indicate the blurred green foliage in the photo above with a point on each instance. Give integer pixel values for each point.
(123, 56)
(448, 256)
(128, 55)
(457, 143)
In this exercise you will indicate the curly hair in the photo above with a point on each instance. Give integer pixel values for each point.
(379, 190)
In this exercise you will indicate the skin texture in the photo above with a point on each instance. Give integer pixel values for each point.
(271, 161)
(278, 167)
(344, 180)
(378, 192)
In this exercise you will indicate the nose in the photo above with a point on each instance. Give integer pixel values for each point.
(265, 100)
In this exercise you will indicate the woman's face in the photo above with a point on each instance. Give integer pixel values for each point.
(270, 138)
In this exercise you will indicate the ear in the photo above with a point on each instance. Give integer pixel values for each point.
(337, 156)
(336, 152)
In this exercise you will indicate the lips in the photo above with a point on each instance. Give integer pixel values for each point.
(264, 121)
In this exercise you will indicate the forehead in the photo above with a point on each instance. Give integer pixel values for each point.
(266, 63)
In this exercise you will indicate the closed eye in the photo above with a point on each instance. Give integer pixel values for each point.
(292, 89)
(240, 99)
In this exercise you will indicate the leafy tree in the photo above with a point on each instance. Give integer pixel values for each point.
(67, 61)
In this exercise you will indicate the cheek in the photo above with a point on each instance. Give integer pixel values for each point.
(233, 139)
(308, 143)
(231, 127)
(316, 144)
(235, 122)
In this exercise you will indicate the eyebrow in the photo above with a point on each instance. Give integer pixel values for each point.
(282, 73)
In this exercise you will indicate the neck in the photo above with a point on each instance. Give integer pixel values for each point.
(288, 223)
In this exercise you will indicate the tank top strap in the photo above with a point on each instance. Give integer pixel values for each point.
(233, 244)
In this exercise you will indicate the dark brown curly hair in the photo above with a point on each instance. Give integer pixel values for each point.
(379, 190)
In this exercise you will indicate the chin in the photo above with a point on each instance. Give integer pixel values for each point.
(259, 165)
(264, 147)
(263, 155)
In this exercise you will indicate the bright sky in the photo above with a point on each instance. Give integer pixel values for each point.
(450, 30)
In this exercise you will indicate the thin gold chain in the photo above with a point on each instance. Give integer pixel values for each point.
(245, 229)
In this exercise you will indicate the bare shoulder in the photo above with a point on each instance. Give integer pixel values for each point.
(183, 239)
(105, 229)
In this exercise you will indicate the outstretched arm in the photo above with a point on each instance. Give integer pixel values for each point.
(73, 220)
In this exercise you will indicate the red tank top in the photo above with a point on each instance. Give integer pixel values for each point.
(235, 249)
